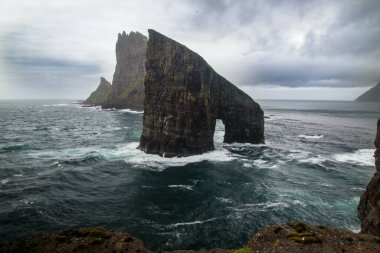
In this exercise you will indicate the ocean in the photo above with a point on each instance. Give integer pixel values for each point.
(65, 166)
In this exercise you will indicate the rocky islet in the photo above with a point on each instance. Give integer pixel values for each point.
(184, 97)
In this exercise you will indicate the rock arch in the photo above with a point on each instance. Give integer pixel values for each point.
(183, 98)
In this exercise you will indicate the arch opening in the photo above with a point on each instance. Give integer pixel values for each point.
(219, 133)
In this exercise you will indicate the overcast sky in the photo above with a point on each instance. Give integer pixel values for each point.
(270, 49)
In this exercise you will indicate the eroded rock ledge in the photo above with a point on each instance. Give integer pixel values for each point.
(295, 237)
(183, 98)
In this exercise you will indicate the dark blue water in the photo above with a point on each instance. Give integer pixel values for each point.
(63, 166)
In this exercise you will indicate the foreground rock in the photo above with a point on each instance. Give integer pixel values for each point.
(101, 94)
(183, 98)
(369, 206)
(291, 237)
(372, 95)
(298, 237)
(128, 80)
(82, 240)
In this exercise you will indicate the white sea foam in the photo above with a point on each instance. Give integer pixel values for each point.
(190, 223)
(295, 182)
(297, 202)
(133, 155)
(268, 205)
(147, 186)
(130, 154)
(18, 175)
(262, 164)
(272, 117)
(360, 157)
(357, 188)
(131, 111)
(247, 165)
(318, 136)
(297, 154)
(314, 160)
(187, 187)
(225, 200)
(243, 145)
(4, 181)
(326, 184)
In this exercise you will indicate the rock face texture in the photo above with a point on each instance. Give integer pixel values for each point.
(128, 79)
(372, 95)
(183, 98)
(101, 94)
(294, 237)
(298, 237)
(369, 206)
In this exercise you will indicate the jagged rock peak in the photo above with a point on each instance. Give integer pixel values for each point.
(369, 206)
(101, 94)
(128, 78)
(183, 98)
(104, 82)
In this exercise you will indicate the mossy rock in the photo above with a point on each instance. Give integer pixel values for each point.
(62, 238)
(278, 229)
(242, 250)
(299, 226)
(93, 232)
(296, 234)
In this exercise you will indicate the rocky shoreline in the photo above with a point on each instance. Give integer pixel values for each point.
(290, 237)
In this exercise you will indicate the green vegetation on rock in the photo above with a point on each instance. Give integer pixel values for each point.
(242, 250)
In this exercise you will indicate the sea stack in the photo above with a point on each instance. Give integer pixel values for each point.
(183, 98)
(128, 79)
(101, 94)
(369, 206)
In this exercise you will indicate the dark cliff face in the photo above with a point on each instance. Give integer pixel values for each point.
(183, 98)
(372, 95)
(369, 206)
(128, 79)
(101, 94)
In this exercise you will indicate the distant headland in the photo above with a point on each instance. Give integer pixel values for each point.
(372, 95)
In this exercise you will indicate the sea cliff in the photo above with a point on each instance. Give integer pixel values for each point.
(127, 89)
(183, 98)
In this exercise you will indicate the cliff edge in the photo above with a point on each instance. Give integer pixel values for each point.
(183, 98)
(369, 206)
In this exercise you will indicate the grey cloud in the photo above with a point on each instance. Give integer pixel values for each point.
(38, 75)
(324, 43)
(340, 45)
(304, 72)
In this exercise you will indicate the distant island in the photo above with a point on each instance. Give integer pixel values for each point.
(372, 95)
